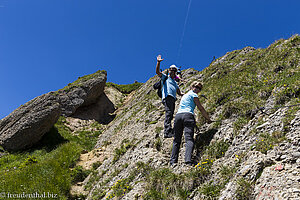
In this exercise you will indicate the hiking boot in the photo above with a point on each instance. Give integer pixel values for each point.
(170, 135)
(173, 165)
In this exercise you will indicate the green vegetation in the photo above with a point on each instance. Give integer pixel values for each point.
(49, 173)
(149, 108)
(210, 153)
(290, 115)
(153, 122)
(125, 145)
(80, 80)
(49, 166)
(238, 85)
(216, 150)
(239, 124)
(86, 139)
(125, 89)
(242, 82)
(78, 174)
(94, 176)
(244, 189)
(121, 187)
(267, 142)
(211, 190)
(164, 184)
(158, 129)
(227, 172)
(95, 165)
(204, 166)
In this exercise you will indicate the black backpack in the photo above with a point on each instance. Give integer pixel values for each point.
(158, 85)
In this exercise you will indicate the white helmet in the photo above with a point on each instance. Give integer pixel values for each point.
(173, 67)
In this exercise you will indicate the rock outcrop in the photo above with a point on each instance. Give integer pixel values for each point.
(83, 92)
(27, 124)
(251, 151)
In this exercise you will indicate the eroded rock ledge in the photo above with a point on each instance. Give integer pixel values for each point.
(27, 124)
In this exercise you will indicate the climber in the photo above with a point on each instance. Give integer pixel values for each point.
(185, 121)
(178, 77)
(169, 90)
(179, 72)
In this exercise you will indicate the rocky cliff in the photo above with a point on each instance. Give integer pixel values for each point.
(251, 151)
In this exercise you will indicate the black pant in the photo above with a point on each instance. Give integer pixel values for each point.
(183, 122)
(169, 103)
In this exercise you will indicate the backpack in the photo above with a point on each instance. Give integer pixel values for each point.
(158, 85)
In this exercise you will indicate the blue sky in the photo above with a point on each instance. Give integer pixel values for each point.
(46, 44)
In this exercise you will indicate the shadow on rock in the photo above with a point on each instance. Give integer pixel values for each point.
(49, 141)
(202, 140)
(101, 111)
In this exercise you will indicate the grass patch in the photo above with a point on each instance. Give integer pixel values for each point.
(125, 145)
(227, 172)
(242, 82)
(244, 189)
(158, 129)
(203, 167)
(49, 172)
(290, 115)
(149, 108)
(163, 184)
(211, 190)
(120, 188)
(125, 89)
(267, 142)
(153, 122)
(78, 174)
(79, 82)
(216, 150)
(48, 166)
(239, 124)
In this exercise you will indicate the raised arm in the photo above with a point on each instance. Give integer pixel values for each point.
(159, 59)
(202, 110)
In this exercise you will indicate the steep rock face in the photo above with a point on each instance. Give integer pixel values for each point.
(250, 152)
(27, 124)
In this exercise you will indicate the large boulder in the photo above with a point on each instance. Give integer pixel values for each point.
(83, 92)
(27, 124)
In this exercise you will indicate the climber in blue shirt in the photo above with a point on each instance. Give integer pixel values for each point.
(185, 121)
(169, 90)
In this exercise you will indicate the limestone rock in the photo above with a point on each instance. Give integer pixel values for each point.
(27, 124)
(83, 93)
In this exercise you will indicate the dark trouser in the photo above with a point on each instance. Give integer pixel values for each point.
(183, 122)
(169, 103)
